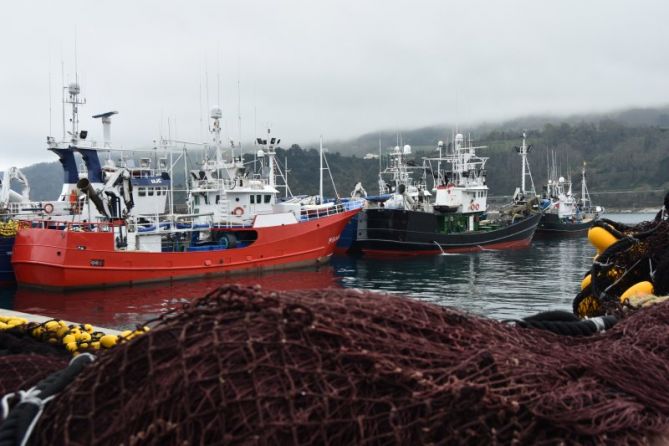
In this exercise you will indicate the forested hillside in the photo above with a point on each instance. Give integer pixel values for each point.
(627, 159)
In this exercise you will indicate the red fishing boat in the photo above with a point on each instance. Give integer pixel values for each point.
(78, 255)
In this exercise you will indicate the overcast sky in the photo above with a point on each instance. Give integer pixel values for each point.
(311, 67)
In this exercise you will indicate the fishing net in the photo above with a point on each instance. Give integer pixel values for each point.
(334, 367)
(25, 361)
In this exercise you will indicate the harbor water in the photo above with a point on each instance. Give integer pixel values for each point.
(497, 284)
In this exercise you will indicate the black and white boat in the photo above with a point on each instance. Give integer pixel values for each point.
(408, 219)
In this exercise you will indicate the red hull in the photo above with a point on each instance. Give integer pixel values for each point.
(516, 244)
(63, 259)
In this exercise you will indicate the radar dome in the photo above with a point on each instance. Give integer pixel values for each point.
(397, 148)
(561, 179)
(260, 153)
(73, 89)
(407, 149)
(216, 112)
(440, 144)
(459, 137)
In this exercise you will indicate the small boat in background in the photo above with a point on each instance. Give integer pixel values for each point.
(564, 213)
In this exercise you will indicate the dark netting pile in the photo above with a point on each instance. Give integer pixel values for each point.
(335, 367)
(25, 361)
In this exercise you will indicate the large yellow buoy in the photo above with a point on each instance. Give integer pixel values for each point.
(601, 238)
(639, 289)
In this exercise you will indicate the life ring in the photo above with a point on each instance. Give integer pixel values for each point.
(48, 208)
(238, 211)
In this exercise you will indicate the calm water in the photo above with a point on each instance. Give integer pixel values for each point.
(498, 284)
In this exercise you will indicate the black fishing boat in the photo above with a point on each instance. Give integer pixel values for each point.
(407, 220)
(402, 232)
(551, 225)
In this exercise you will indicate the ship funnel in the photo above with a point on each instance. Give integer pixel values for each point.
(85, 186)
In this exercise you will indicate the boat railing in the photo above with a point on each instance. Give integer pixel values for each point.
(322, 211)
(74, 226)
(228, 184)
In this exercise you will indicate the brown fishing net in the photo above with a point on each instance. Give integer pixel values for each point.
(25, 361)
(337, 367)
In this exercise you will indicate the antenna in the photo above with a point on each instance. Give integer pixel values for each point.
(239, 118)
(320, 193)
(218, 73)
(62, 72)
(76, 69)
(380, 153)
(206, 83)
(50, 97)
(456, 111)
(201, 119)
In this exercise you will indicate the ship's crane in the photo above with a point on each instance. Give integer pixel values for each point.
(7, 195)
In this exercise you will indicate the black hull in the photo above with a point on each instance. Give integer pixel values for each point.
(551, 225)
(400, 232)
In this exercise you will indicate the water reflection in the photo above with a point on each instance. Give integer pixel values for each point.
(123, 307)
(499, 284)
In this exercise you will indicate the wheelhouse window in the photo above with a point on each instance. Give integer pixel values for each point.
(141, 192)
(268, 198)
(253, 201)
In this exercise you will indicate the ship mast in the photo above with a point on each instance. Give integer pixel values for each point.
(320, 171)
(270, 154)
(585, 196)
(73, 91)
(523, 150)
(216, 114)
